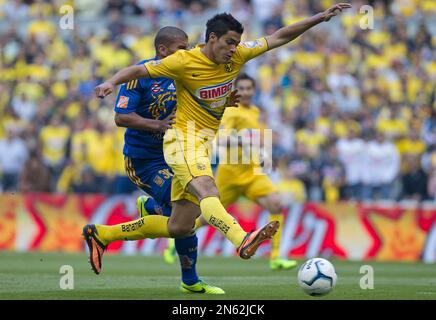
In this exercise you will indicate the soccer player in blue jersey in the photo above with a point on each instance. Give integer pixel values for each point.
(146, 107)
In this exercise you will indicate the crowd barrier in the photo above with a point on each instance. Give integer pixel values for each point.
(354, 231)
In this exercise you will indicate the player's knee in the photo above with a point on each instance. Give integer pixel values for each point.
(180, 230)
(276, 207)
(275, 204)
(203, 187)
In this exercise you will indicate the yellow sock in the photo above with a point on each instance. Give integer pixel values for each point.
(275, 242)
(171, 244)
(217, 216)
(152, 226)
(198, 224)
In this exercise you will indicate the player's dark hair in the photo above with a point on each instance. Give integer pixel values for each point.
(167, 34)
(244, 76)
(221, 23)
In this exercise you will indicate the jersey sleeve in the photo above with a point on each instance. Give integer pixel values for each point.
(170, 67)
(251, 49)
(128, 97)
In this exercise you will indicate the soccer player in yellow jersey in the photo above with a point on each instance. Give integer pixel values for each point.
(204, 79)
(248, 179)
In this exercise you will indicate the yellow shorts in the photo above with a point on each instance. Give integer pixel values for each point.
(188, 158)
(236, 180)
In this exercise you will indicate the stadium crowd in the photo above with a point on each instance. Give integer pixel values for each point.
(353, 110)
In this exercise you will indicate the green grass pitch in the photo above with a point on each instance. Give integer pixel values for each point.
(36, 276)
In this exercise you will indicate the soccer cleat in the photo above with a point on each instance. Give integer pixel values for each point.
(169, 253)
(140, 204)
(96, 248)
(201, 287)
(253, 239)
(282, 264)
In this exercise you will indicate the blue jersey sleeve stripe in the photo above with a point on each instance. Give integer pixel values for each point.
(132, 84)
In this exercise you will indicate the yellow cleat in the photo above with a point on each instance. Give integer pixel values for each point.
(140, 205)
(169, 253)
(282, 264)
(201, 287)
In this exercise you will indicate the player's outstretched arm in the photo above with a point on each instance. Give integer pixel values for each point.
(289, 33)
(122, 76)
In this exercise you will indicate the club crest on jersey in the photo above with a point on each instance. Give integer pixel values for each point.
(252, 44)
(155, 88)
(122, 102)
(228, 67)
(215, 92)
(158, 180)
(155, 63)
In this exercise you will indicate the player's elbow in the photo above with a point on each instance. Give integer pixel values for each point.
(140, 71)
(120, 120)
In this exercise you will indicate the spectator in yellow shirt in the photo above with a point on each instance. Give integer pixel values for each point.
(54, 139)
(310, 138)
(393, 125)
(410, 146)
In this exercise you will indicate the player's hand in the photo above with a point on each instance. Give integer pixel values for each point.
(333, 11)
(104, 89)
(233, 99)
(167, 123)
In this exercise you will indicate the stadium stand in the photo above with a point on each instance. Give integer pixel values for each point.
(354, 113)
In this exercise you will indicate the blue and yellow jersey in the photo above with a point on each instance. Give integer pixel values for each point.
(151, 99)
(202, 85)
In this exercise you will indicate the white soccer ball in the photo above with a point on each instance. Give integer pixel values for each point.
(317, 277)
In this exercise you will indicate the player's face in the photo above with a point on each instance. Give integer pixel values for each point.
(246, 90)
(177, 44)
(224, 47)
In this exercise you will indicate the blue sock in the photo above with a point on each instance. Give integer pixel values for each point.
(152, 207)
(187, 251)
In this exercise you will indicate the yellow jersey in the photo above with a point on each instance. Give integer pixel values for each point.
(94, 148)
(54, 143)
(292, 190)
(202, 85)
(244, 120)
(241, 118)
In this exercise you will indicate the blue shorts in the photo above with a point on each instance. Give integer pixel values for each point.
(154, 177)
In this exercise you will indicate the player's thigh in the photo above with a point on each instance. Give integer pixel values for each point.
(203, 183)
(178, 192)
(262, 191)
(202, 187)
(175, 157)
(271, 202)
(182, 220)
(190, 163)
